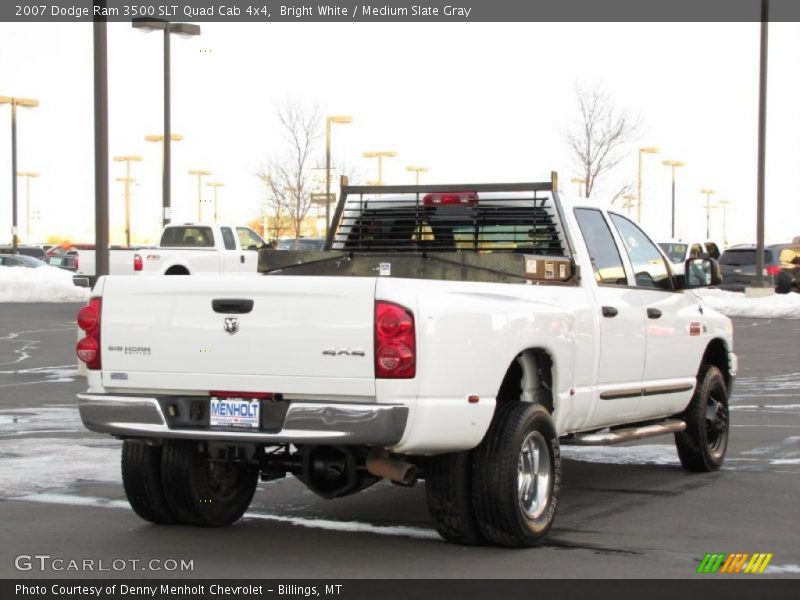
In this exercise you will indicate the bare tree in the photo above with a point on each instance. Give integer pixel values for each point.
(598, 141)
(288, 173)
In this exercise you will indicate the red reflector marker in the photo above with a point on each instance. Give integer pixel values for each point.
(773, 270)
(137, 262)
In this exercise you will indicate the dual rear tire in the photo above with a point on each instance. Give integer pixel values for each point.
(506, 491)
(177, 483)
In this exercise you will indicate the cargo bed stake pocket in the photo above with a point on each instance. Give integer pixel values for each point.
(232, 306)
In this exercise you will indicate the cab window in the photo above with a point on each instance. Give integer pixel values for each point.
(228, 239)
(606, 261)
(712, 250)
(249, 239)
(649, 267)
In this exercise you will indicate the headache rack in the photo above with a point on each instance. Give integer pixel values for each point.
(521, 218)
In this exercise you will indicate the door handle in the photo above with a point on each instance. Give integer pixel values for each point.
(241, 258)
(232, 306)
(653, 313)
(610, 311)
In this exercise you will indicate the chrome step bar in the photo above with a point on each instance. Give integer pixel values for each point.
(628, 434)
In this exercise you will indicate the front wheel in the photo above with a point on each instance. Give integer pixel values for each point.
(205, 492)
(517, 476)
(702, 445)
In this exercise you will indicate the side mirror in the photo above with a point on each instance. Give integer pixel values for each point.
(701, 272)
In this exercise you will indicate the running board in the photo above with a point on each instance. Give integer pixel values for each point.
(617, 436)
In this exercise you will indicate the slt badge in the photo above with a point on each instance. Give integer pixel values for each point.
(231, 324)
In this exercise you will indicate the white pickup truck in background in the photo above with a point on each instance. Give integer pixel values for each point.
(195, 249)
(458, 334)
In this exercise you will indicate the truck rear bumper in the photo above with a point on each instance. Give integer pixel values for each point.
(304, 423)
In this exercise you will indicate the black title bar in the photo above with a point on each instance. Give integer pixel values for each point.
(337, 11)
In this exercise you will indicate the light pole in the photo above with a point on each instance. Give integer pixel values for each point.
(416, 171)
(25, 103)
(341, 120)
(216, 185)
(380, 155)
(185, 30)
(629, 202)
(673, 164)
(127, 179)
(723, 204)
(27, 175)
(580, 183)
(646, 150)
(200, 173)
(708, 193)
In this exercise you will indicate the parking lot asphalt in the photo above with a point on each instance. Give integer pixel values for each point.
(626, 511)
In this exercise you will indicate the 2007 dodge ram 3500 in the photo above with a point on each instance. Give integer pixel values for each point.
(458, 334)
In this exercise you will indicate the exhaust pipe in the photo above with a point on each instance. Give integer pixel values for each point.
(397, 471)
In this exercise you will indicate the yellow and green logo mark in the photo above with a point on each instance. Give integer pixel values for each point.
(737, 562)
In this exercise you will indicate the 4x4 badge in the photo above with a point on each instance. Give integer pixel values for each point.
(231, 324)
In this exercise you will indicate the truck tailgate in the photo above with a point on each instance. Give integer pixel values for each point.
(164, 334)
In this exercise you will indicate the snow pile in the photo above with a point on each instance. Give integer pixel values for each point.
(735, 304)
(43, 284)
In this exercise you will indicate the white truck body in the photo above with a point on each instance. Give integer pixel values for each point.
(120, 262)
(194, 249)
(468, 333)
(467, 340)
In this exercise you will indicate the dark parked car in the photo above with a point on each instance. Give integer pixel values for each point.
(312, 244)
(34, 251)
(20, 260)
(781, 266)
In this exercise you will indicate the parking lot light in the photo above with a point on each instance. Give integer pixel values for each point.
(380, 155)
(184, 30)
(200, 173)
(215, 185)
(25, 103)
(416, 171)
(127, 179)
(642, 151)
(673, 164)
(708, 193)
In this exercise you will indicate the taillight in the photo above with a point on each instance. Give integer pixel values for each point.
(462, 198)
(77, 263)
(395, 342)
(773, 270)
(137, 262)
(88, 348)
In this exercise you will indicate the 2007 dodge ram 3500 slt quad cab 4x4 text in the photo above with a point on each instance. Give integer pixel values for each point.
(457, 334)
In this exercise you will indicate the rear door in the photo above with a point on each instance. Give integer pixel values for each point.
(231, 256)
(621, 344)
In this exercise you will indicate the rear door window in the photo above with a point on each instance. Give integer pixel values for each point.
(603, 251)
(190, 236)
(743, 258)
(228, 239)
(249, 239)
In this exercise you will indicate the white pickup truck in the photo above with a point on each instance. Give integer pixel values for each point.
(457, 334)
(195, 249)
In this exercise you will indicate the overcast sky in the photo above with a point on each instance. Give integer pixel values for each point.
(473, 102)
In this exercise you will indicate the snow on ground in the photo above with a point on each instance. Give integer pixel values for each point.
(44, 284)
(736, 304)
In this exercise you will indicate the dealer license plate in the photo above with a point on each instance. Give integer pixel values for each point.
(235, 413)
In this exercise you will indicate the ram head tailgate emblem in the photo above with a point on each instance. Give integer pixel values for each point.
(231, 324)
